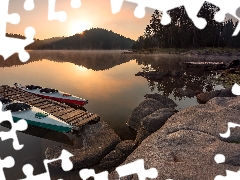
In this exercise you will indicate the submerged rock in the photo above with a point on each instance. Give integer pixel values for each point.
(99, 140)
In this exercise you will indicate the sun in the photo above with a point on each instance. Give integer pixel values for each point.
(78, 27)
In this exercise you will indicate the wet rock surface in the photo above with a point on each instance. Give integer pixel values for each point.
(185, 147)
(99, 140)
(206, 96)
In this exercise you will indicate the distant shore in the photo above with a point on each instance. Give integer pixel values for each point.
(201, 52)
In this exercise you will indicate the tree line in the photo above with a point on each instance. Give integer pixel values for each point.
(181, 32)
(94, 38)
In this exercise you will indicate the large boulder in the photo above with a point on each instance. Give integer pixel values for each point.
(148, 106)
(152, 103)
(99, 140)
(185, 147)
(184, 154)
(156, 120)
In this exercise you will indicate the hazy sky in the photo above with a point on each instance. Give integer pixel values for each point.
(92, 13)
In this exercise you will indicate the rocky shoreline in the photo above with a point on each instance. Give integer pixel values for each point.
(181, 145)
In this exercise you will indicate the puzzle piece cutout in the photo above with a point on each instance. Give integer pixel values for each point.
(9, 46)
(20, 125)
(87, 173)
(219, 158)
(230, 7)
(192, 9)
(8, 162)
(66, 164)
(52, 14)
(137, 167)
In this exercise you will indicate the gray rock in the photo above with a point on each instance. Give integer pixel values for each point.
(185, 154)
(206, 96)
(141, 135)
(99, 134)
(127, 146)
(226, 93)
(185, 147)
(156, 120)
(208, 118)
(145, 108)
(99, 140)
(112, 160)
(167, 102)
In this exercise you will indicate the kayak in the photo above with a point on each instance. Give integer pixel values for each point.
(53, 94)
(34, 116)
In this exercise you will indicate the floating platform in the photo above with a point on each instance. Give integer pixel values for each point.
(74, 117)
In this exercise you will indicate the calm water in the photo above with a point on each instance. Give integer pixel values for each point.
(107, 79)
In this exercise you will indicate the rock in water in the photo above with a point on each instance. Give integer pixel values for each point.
(99, 140)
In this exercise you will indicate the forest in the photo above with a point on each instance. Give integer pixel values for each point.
(181, 32)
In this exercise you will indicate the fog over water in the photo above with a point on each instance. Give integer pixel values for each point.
(107, 79)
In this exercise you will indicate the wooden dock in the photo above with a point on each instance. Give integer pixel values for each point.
(74, 117)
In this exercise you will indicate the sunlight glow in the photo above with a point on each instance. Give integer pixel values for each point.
(79, 27)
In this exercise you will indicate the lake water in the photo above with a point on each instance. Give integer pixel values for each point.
(107, 79)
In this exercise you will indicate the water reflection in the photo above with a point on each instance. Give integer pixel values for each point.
(95, 60)
(107, 79)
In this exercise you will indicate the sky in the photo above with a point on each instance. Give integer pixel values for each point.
(92, 13)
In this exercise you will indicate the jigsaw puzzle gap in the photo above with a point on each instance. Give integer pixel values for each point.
(29, 5)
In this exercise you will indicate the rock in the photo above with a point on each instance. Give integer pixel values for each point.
(141, 135)
(169, 103)
(112, 160)
(185, 154)
(99, 134)
(99, 140)
(233, 64)
(156, 120)
(206, 96)
(126, 147)
(145, 108)
(185, 147)
(226, 93)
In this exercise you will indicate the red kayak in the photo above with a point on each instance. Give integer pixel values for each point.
(53, 94)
